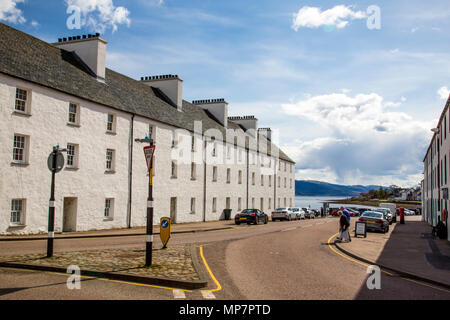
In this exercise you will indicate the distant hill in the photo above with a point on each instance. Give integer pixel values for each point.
(317, 188)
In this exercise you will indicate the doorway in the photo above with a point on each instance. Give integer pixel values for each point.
(173, 210)
(70, 214)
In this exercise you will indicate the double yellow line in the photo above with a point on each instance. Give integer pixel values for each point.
(218, 286)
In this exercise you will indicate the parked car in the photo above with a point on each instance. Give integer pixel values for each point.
(335, 213)
(387, 214)
(284, 214)
(300, 213)
(309, 214)
(316, 212)
(353, 212)
(250, 216)
(375, 221)
(408, 212)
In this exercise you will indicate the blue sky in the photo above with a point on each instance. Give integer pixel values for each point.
(353, 105)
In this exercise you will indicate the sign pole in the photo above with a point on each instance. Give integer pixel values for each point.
(51, 210)
(149, 242)
(149, 151)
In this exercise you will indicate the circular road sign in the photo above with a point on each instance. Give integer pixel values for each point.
(59, 162)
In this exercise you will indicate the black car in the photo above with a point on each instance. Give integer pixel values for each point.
(250, 216)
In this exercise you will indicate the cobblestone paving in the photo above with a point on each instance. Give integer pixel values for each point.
(175, 262)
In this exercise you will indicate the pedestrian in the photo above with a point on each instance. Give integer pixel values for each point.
(344, 235)
(346, 213)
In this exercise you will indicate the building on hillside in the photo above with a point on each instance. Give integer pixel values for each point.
(436, 171)
(62, 93)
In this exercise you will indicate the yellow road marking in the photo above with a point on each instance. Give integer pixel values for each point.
(125, 282)
(219, 287)
(366, 265)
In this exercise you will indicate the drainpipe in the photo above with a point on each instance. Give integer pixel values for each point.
(130, 171)
(204, 179)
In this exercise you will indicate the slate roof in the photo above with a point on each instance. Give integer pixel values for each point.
(28, 58)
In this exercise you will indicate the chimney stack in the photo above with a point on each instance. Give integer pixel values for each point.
(170, 85)
(249, 123)
(217, 107)
(90, 48)
(267, 132)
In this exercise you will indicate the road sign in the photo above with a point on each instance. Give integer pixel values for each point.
(59, 162)
(360, 229)
(149, 151)
(164, 232)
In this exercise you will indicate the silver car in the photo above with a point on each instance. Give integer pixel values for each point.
(284, 214)
(300, 213)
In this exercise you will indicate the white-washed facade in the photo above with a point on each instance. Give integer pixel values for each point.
(104, 183)
(436, 181)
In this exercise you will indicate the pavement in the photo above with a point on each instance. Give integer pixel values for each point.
(175, 266)
(408, 250)
(135, 231)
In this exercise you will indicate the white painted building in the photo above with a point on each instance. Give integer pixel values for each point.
(62, 93)
(437, 172)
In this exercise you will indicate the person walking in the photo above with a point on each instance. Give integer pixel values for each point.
(343, 227)
(346, 213)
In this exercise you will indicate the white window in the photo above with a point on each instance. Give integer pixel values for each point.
(285, 182)
(193, 143)
(193, 171)
(270, 181)
(214, 178)
(21, 104)
(192, 205)
(279, 182)
(270, 203)
(228, 203)
(20, 149)
(110, 161)
(214, 147)
(109, 208)
(239, 204)
(228, 175)
(240, 177)
(253, 203)
(74, 113)
(173, 172)
(17, 212)
(214, 205)
(228, 152)
(72, 155)
(111, 124)
(262, 180)
(261, 207)
(174, 139)
(253, 180)
(151, 132)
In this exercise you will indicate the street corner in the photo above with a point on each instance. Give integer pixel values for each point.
(175, 266)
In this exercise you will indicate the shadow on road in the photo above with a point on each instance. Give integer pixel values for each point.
(410, 248)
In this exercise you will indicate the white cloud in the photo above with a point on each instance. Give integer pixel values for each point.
(101, 14)
(314, 17)
(363, 141)
(10, 13)
(34, 24)
(444, 93)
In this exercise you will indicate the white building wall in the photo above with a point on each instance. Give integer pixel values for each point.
(47, 125)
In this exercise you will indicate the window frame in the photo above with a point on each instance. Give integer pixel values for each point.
(21, 213)
(111, 161)
(25, 149)
(109, 207)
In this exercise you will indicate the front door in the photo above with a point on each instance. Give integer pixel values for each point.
(173, 210)
(70, 215)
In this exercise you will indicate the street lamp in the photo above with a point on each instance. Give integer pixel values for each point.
(149, 233)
